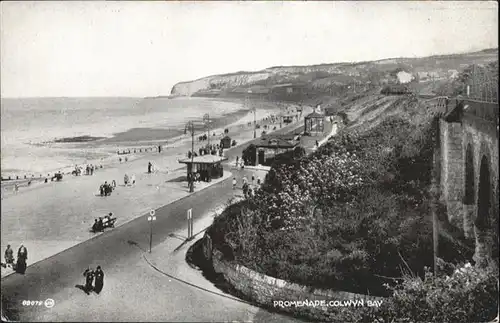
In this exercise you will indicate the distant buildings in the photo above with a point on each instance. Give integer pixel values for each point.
(404, 77)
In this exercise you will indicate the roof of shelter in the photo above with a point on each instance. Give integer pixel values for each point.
(315, 115)
(275, 142)
(205, 159)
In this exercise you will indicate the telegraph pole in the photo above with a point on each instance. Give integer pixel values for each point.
(206, 119)
(254, 114)
(151, 218)
(190, 127)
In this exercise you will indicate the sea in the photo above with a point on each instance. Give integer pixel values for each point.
(29, 127)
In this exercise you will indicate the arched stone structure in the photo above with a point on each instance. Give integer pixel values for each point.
(469, 172)
(483, 221)
(469, 191)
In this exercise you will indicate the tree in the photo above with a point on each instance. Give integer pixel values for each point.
(249, 155)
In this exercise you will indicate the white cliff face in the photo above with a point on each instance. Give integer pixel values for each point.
(221, 82)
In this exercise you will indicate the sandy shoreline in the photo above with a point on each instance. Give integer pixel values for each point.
(142, 138)
(173, 148)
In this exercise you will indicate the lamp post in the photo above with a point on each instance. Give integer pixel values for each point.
(281, 105)
(151, 218)
(254, 114)
(190, 127)
(206, 119)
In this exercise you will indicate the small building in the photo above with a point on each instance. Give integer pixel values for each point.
(288, 118)
(332, 110)
(225, 142)
(395, 89)
(314, 123)
(273, 145)
(207, 166)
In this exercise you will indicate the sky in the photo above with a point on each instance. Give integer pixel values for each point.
(136, 49)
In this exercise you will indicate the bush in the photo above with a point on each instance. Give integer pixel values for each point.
(355, 208)
(249, 155)
(469, 295)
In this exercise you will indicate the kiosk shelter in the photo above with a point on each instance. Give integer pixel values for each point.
(314, 123)
(204, 168)
(225, 142)
(273, 145)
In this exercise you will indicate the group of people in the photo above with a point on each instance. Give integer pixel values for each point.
(240, 163)
(101, 223)
(89, 170)
(211, 150)
(129, 180)
(22, 257)
(247, 190)
(106, 189)
(94, 280)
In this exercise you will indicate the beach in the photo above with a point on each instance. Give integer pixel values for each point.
(51, 217)
(42, 136)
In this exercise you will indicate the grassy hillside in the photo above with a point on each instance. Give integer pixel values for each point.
(331, 80)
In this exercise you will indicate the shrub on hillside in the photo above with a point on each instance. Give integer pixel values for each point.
(348, 212)
(249, 155)
(470, 294)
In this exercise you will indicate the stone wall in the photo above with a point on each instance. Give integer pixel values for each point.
(264, 290)
(452, 170)
(476, 125)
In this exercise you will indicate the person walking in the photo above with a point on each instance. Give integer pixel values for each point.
(253, 180)
(9, 256)
(99, 279)
(245, 180)
(22, 256)
(126, 179)
(237, 160)
(150, 166)
(234, 183)
(258, 180)
(132, 179)
(89, 279)
(16, 188)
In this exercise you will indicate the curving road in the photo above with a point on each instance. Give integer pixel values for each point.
(133, 290)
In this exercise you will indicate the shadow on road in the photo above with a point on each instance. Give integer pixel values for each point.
(177, 179)
(133, 243)
(83, 289)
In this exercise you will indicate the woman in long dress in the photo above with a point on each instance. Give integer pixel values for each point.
(99, 279)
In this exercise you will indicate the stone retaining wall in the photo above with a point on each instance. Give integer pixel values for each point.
(264, 289)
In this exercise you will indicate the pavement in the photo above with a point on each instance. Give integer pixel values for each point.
(133, 290)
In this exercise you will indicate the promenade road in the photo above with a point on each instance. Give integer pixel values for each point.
(133, 291)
